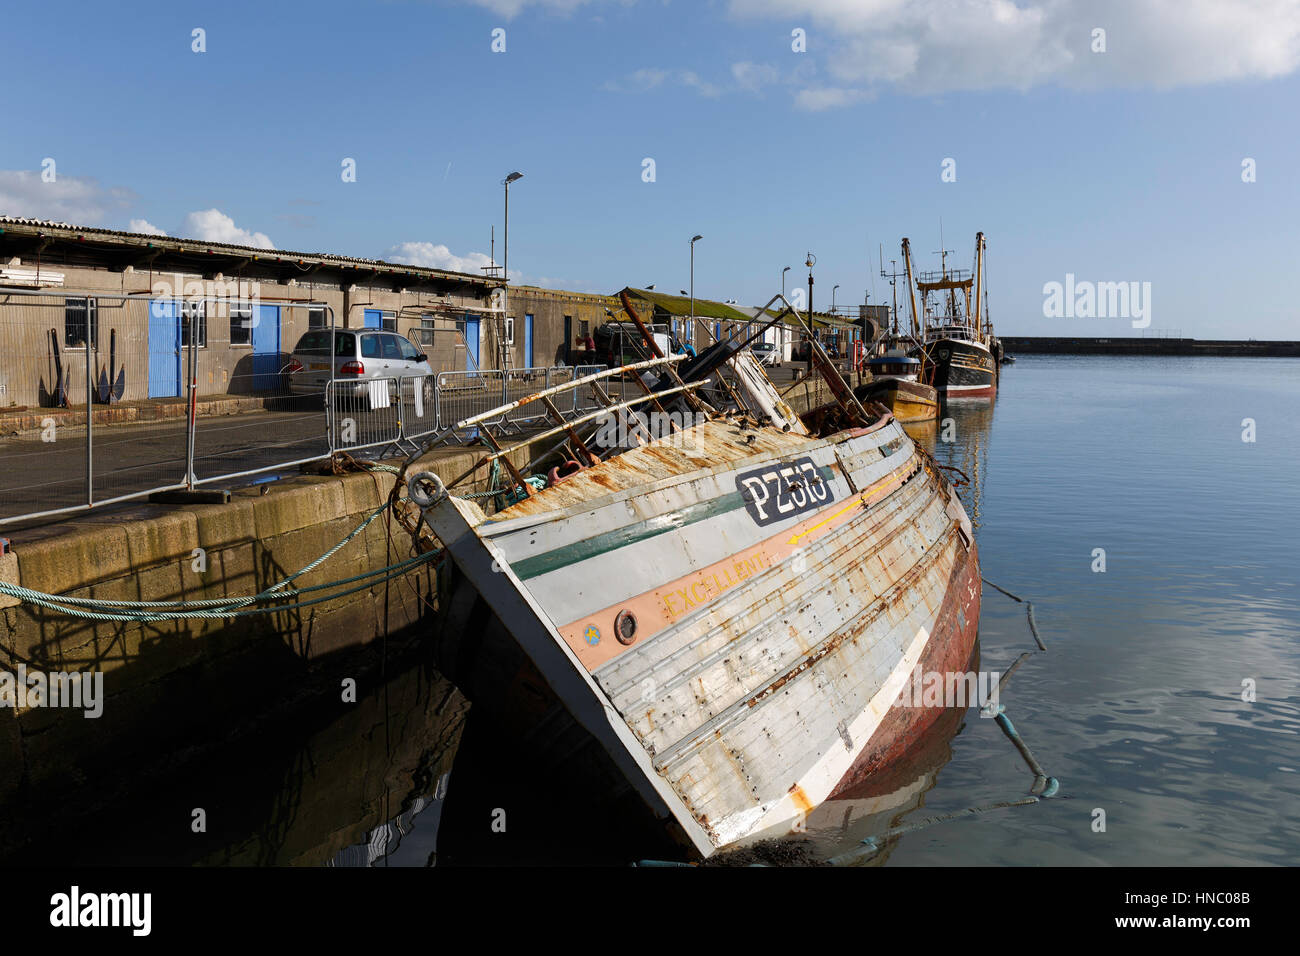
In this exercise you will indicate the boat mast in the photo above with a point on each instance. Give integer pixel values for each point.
(979, 286)
(911, 287)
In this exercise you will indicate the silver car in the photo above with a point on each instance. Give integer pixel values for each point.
(360, 357)
(767, 354)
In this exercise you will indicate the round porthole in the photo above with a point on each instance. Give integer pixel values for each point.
(625, 627)
(943, 353)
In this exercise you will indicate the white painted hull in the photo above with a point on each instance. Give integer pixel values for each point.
(775, 626)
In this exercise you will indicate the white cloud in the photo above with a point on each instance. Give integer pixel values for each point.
(145, 227)
(826, 97)
(436, 256)
(934, 46)
(213, 225)
(512, 8)
(754, 76)
(72, 199)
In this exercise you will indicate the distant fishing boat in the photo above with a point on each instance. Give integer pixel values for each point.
(894, 384)
(960, 350)
(726, 614)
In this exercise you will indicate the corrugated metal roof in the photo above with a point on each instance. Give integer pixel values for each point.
(197, 245)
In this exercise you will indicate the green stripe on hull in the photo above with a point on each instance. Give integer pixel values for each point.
(597, 545)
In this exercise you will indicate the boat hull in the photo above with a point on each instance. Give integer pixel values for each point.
(909, 401)
(961, 368)
(734, 646)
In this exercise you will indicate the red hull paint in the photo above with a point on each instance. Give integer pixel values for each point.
(989, 392)
(951, 649)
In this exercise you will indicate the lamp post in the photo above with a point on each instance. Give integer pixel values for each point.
(809, 263)
(833, 288)
(783, 272)
(691, 329)
(505, 263)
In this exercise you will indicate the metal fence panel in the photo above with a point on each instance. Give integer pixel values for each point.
(78, 425)
(249, 421)
(584, 399)
(365, 415)
(520, 383)
(461, 395)
(419, 412)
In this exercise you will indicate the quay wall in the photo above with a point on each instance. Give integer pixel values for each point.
(168, 685)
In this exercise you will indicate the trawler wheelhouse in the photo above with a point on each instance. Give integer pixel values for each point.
(956, 347)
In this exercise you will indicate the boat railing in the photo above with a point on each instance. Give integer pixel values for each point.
(502, 411)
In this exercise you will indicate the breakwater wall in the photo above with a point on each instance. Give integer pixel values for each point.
(1030, 345)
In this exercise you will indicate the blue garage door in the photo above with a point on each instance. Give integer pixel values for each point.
(164, 349)
(266, 349)
(528, 340)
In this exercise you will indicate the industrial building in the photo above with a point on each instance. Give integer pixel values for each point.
(146, 299)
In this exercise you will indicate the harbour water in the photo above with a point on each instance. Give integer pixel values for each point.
(1136, 707)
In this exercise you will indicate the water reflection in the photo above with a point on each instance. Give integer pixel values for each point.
(342, 784)
(960, 439)
(885, 799)
(382, 844)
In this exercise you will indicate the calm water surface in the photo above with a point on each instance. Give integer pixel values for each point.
(1136, 707)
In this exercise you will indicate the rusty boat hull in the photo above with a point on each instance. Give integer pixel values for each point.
(908, 401)
(729, 614)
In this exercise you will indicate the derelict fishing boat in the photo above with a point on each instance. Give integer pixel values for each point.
(894, 384)
(727, 613)
(957, 347)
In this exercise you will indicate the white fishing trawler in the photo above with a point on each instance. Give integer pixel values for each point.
(729, 612)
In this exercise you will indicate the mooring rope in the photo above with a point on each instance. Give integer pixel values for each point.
(99, 609)
(1029, 612)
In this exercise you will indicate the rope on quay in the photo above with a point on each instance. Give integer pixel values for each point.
(96, 609)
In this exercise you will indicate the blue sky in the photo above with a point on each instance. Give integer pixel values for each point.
(1115, 166)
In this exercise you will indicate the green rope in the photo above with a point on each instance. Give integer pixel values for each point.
(153, 611)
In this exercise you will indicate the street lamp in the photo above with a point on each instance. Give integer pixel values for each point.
(833, 288)
(810, 262)
(691, 330)
(505, 264)
(783, 272)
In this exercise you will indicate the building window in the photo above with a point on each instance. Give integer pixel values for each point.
(78, 315)
(424, 331)
(584, 327)
(194, 319)
(388, 321)
(241, 323)
(510, 330)
(317, 319)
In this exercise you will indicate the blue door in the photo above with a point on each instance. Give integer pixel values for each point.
(471, 344)
(374, 319)
(164, 349)
(528, 340)
(266, 348)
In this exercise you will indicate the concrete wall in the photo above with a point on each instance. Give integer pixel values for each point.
(168, 682)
